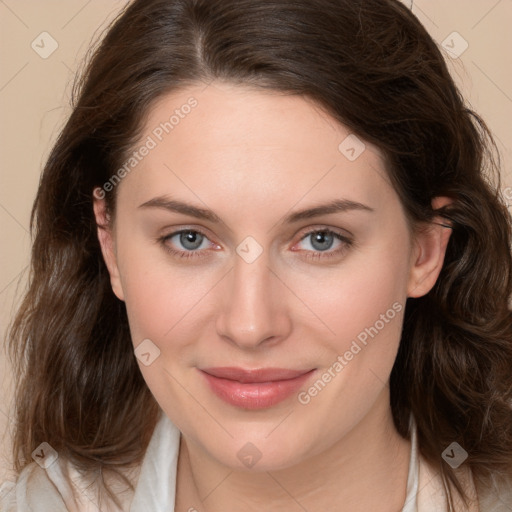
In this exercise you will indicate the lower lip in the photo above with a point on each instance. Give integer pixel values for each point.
(259, 395)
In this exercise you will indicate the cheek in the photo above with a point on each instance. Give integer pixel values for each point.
(163, 299)
(160, 303)
(364, 306)
(367, 290)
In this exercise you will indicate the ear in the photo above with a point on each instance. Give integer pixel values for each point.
(107, 242)
(429, 250)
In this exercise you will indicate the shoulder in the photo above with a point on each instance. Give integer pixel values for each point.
(33, 491)
(60, 488)
(8, 497)
(495, 496)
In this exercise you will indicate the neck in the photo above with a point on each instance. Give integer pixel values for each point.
(371, 456)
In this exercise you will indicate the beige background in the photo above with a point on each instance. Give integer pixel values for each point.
(34, 97)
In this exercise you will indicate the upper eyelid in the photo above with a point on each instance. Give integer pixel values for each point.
(339, 231)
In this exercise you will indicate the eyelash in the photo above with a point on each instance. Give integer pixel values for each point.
(347, 243)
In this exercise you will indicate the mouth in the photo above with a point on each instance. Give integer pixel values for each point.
(254, 389)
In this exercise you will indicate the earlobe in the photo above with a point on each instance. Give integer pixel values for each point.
(106, 240)
(429, 251)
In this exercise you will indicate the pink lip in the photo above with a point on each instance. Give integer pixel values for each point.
(254, 389)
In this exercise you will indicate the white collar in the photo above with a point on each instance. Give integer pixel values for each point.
(156, 486)
(413, 478)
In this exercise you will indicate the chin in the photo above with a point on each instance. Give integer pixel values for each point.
(260, 452)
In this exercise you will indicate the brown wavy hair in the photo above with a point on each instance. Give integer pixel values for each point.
(372, 66)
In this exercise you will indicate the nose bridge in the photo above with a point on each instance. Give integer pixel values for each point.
(251, 312)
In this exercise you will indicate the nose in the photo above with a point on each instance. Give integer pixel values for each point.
(253, 305)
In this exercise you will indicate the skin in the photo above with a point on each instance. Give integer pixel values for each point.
(253, 157)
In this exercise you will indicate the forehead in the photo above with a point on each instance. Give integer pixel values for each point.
(223, 141)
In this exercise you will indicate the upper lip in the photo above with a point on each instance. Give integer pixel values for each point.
(255, 375)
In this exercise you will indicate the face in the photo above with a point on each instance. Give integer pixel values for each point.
(252, 323)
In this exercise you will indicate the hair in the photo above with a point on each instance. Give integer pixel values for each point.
(370, 65)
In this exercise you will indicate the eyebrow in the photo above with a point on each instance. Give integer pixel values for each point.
(334, 206)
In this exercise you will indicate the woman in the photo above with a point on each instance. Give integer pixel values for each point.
(269, 272)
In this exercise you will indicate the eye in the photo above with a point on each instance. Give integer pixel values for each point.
(321, 240)
(195, 242)
(190, 239)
